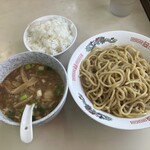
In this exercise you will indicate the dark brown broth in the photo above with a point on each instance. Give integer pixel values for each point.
(39, 84)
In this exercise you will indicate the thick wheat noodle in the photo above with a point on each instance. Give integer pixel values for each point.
(117, 80)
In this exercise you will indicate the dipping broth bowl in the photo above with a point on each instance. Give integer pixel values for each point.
(21, 59)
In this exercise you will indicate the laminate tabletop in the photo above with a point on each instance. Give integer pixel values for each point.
(72, 129)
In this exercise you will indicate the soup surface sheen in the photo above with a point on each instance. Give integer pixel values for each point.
(28, 84)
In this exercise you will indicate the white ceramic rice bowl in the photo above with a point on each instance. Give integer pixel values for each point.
(47, 18)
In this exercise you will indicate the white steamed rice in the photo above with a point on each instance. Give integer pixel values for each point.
(52, 36)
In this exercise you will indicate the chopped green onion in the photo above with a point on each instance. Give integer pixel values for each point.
(23, 97)
(59, 90)
(21, 110)
(28, 66)
(40, 70)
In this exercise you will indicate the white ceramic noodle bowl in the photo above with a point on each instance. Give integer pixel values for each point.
(34, 57)
(140, 42)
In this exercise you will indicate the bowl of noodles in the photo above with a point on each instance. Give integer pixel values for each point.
(111, 73)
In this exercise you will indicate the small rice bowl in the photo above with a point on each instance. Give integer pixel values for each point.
(50, 34)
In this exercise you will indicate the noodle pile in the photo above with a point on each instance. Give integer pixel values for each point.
(117, 80)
